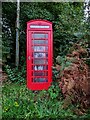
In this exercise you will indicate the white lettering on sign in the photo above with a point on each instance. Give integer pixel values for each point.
(37, 26)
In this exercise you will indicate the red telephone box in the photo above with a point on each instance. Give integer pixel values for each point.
(39, 54)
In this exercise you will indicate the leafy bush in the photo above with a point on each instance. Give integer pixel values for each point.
(15, 74)
(73, 78)
(88, 62)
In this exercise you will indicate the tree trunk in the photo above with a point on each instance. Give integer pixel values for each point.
(17, 33)
(87, 10)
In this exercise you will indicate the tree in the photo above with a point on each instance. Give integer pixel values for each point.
(66, 19)
(87, 10)
(8, 32)
(17, 33)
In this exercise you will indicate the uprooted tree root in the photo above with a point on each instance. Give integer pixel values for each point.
(73, 80)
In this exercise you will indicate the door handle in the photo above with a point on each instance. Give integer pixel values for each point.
(29, 58)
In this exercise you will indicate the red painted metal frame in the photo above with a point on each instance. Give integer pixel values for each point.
(39, 85)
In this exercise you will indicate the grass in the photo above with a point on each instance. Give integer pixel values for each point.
(20, 103)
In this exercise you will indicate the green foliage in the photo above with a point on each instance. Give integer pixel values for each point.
(54, 91)
(20, 103)
(5, 48)
(63, 62)
(88, 62)
(16, 75)
(6, 43)
(8, 31)
(66, 19)
(55, 74)
(68, 22)
(36, 12)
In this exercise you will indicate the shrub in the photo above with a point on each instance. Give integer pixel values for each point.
(15, 74)
(73, 78)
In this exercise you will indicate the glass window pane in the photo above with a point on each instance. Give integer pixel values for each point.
(40, 61)
(40, 74)
(39, 55)
(40, 80)
(40, 48)
(39, 67)
(39, 41)
(39, 35)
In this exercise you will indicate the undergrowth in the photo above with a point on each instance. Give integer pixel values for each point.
(20, 103)
(16, 74)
